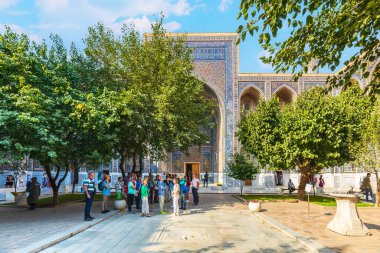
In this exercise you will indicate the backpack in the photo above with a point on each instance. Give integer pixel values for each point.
(184, 189)
(100, 186)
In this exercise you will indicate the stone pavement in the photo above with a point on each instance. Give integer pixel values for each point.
(295, 216)
(21, 228)
(221, 223)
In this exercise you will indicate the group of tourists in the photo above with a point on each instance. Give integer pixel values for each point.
(141, 193)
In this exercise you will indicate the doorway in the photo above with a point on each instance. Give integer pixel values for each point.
(190, 169)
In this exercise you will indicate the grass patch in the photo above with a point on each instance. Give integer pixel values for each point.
(318, 200)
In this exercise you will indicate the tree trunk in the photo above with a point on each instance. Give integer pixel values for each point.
(304, 179)
(241, 187)
(141, 165)
(134, 164)
(122, 165)
(55, 195)
(76, 174)
(53, 181)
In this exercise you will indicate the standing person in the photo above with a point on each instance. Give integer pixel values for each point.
(106, 192)
(321, 183)
(291, 187)
(194, 188)
(205, 181)
(175, 196)
(366, 186)
(171, 185)
(89, 192)
(144, 198)
(151, 189)
(183, 190)
(156, 188)
(34, 190)
(131, 194)
(138, 193)
(161, 194)
(188, 184)
(119, 186)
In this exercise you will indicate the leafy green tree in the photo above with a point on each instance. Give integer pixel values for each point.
(157, 104)
(369, 152)
(39, 99)
(319, 30)
(258, 132)
(241, 168)
(318, 133)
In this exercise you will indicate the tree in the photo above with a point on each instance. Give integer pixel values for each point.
(258, 132)
(369, 152)
(242, 169)
(157, 104)
(38, 103)
(319, 133)
(320, 30)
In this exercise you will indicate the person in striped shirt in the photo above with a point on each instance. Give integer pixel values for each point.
(89, 192)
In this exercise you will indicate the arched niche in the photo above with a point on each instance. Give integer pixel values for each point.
(285, 95)
(249, 99)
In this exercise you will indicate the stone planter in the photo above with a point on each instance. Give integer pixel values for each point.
(120, 204)
(254, 206)
(20, 198)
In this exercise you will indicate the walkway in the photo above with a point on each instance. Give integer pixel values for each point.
(21, 227)
(220, 224)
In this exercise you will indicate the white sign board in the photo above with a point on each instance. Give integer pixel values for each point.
(308, 188)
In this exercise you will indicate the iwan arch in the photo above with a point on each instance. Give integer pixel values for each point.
(217, 64)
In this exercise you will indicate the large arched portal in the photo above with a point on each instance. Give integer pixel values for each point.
(209, 157)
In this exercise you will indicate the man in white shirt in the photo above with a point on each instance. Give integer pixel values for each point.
(194, 188)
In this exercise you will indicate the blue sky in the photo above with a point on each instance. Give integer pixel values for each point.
(71, 18)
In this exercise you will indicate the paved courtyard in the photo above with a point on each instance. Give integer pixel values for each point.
(21, 227)
(295, 216)
(220, 224)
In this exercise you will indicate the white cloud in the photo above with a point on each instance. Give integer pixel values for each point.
(261, 63)
(71, 18)
(143, 25)
(224, 5)
(4, 4)
(172, 26)
(52, 5)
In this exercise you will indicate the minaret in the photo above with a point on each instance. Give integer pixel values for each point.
(312, 64)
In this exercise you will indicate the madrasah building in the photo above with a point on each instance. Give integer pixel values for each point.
(216, 60)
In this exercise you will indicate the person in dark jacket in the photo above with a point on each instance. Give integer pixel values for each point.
(34, 190)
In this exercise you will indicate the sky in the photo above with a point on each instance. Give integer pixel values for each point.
(71, 18)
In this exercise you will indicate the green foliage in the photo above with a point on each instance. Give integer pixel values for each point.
(153, 104)
(369, 149)
(241, 168)
(319, 30)
(258, 131)
(121, 96)
(317, 131)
